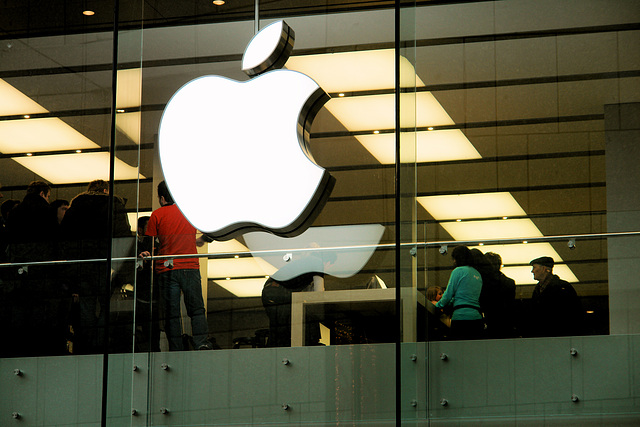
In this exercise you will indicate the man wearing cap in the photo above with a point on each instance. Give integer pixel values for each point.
(556, 306)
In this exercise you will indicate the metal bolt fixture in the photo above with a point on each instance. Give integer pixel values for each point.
(413, 358)
(572, 243)
(18, 372)
(286, 361)
(574, 398)
(287, 257)
(444, 402)
(135, 368)
(414, 403)
(169, 263)
(285, 407)
(443, 356)
(443, 249)
(134, 412)
(16, 415)
(413, 251)
(165, 366)
(164, 411)
(23, 270)
(573, 352)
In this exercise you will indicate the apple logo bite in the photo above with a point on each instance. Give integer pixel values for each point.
(235, 154)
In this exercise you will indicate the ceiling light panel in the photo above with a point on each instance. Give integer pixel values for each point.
(129, 124)
(522, 275)
(243, 287)
(521, 253)
(355, 71)
(377, 112)
(128, 90)
(227, 246)
(13, 102)
(35, 135)
(239, 267)
(431, 146)
(465, 206)
(492, 229)
(73, 168)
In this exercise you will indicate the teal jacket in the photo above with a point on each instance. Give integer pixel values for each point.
(465, 284)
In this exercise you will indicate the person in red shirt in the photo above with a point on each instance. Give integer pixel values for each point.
(176, 236)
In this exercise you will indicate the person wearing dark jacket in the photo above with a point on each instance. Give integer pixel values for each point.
(556, 306)
(85, 231)
(500, 300)
(34, 291)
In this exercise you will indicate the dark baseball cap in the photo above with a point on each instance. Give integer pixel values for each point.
(547, 261)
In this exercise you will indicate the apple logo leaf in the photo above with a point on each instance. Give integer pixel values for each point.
(235, 154)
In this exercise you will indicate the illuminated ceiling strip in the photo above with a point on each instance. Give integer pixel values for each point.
(130, 125)
(521, 253)
(377, 112)
(74, 168)
(355, 71)
(492, 229)
(431, 146)
(45, 134)
(241, 267)
(13, 102)
(375, 70)
(522, 274)
(129, 88)
(133, 218)
(466, 206)
(243, 287)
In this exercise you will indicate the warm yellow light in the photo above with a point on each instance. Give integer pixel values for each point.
(129, 124)
(128, 89)
(239, 267)
(13, 102)
(46, 134)
(492, 229)
(521, 253)
(133, 218)
(72, 168)
(355, 71)
(341, 95)
(243, 287)
(467, 206)
(436, 146)
(88, 13)
(218, 2)
(522, 275)
(228, 246)
(423, 110)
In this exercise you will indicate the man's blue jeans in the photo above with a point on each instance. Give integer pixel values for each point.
(171, 284)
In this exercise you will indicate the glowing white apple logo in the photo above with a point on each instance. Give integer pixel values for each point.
(234, 154)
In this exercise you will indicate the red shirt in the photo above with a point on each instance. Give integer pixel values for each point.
(177, 237)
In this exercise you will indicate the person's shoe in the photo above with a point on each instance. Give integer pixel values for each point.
(205, 347)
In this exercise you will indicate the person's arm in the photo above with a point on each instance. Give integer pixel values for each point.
(450, 291)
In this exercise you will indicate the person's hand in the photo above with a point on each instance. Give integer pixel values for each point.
(75, 298)
(144, 254)
(200, 242)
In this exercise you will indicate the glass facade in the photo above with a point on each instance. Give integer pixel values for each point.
(504, 127)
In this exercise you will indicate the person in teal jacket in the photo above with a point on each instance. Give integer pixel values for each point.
(463, 294)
